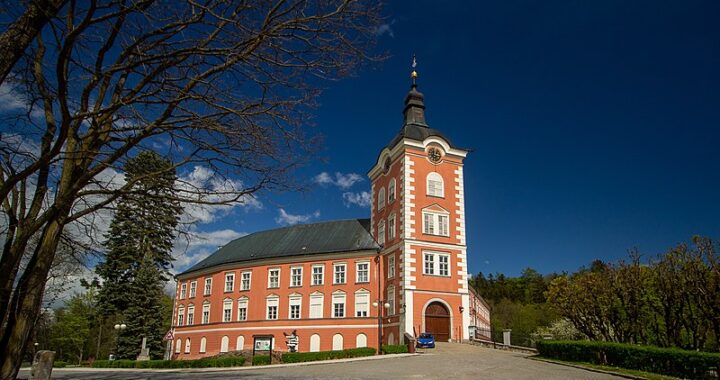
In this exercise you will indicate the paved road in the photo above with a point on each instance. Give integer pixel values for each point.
(448, 362)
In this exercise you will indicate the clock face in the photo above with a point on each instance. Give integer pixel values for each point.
(434, 155)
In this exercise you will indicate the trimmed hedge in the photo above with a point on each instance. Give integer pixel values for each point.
(261, 360)
(59, 364)
(300, 357)
(395, 349)
(235, 361)
(666, 361)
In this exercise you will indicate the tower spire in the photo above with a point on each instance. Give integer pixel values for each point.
(414, 110)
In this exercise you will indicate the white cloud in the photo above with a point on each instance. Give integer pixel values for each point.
(289, 219)
(385, 28)
(204, 185)
(13, 100)
(341, 180)
(361, 199)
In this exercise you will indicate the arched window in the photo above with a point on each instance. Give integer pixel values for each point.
(187, 345)
(361, 340)
(391, 339)
(435, 185)
(337, 342)
(391, 190)
(203, 345)
(240, 343)
(224, 344)
(381, 199)
(314, 342)
(178, 346)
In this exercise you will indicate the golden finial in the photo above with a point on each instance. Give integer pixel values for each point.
(414, 73)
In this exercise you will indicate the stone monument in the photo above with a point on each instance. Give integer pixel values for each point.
(144, 351)
(42, 365)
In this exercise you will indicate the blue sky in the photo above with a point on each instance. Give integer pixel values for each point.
(594, 126)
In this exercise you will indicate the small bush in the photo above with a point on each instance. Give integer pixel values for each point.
(235, 361)
(395, 349)
(261, 360)
(301, 357)
(59, 364)
(666, 361)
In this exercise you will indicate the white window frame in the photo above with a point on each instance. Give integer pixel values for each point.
(181, 315)
(391, 266)
(391, 190)
(242, 305)
(381, 232)
(362, 303)
(318, 277)
(295, 300)
(358, 272)
(294, 277)
(391, 300)
(187, 345)
(443, 265)
(229, 280)
(336, 273)
(193, 288)
(183, 290)
(433, 223)
(431, 263)
(273, 276)
(203, 345)
(208, 286)
(391, 226)
(227, 310)
(206, 313)
(381, 199)
(317, 304)
(272, 304)
(437, 187)
(339, 298)
(245, 283)
(191, 315)
(178, 345)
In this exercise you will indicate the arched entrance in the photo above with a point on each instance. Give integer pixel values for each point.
(437, 321)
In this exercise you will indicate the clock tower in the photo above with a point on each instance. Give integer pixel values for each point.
(418, 217)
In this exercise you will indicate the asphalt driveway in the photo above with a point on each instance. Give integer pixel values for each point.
(449, 362)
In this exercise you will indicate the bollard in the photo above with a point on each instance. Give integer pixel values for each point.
(42, 365)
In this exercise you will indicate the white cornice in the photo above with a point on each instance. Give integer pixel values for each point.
(394, 152)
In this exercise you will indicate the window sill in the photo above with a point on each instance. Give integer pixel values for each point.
(295, 286)
(361, 282)
(317, 284)
(339, 283)
(273, 287)
(436, 275)
(427, 234)
(436, 196)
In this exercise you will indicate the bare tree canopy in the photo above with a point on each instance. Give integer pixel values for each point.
(20, 34)
(222, 84)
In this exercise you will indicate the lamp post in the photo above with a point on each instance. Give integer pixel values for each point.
(385, 305)
(119, 327)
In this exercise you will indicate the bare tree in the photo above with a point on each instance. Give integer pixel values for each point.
(21, 33)
(225, 85)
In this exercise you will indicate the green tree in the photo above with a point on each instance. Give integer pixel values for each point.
(71, 331)
(139, 255)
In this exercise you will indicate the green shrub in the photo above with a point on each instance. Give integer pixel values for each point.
(301, 357)
(395, 349)
(59, 364)
(234, 361)
(666, 361)
(261, 360)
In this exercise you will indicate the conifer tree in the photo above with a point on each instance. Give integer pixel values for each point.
(138, 258)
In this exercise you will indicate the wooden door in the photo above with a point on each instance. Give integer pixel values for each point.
(437, 321)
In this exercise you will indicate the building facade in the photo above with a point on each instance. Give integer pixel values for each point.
(350, 283)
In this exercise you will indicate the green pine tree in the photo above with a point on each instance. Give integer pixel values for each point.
(138, 258)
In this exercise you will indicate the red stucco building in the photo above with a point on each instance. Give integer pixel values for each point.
(348, 283)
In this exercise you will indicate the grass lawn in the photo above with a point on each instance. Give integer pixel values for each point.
(625, 371)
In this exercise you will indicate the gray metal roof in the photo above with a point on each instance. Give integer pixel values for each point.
(299, 240)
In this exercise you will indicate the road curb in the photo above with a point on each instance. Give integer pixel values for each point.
(627, 376)
(224, 369)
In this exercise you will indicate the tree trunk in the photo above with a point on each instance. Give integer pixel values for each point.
(26, 302)
(22, 32)
(15, 246)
